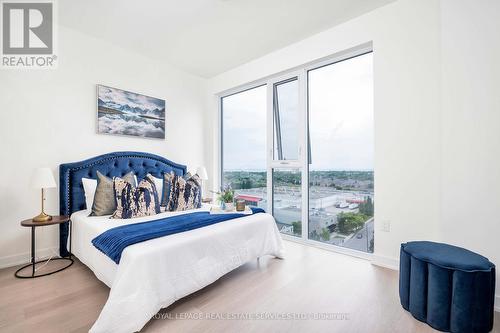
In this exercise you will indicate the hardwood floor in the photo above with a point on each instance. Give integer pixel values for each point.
(363, 297)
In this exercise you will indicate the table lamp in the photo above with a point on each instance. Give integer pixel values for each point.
(42, 178)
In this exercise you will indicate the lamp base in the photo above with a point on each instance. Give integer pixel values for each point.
(42, 217)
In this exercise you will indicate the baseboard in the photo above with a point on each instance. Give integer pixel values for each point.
(386, 262)
(24, 258)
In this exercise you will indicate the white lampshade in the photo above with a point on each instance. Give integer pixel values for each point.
(202, 173)
(43, 178)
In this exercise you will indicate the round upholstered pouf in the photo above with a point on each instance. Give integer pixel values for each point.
(450, 288)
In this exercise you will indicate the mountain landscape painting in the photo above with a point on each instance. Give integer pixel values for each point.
(122, 112)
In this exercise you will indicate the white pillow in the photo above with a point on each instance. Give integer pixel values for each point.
(89, 187)
(158, 185)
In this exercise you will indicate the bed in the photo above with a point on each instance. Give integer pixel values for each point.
(154, 274)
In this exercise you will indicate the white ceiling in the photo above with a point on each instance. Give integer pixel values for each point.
(207, 37)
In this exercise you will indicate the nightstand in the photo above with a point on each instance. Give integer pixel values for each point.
(33, 225)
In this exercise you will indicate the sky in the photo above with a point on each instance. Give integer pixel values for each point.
(340, 120)
(288, 104)
(244, 130)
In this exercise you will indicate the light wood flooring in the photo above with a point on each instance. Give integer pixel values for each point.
(308, 281)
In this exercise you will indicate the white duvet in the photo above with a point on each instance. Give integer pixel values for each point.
(155, 273)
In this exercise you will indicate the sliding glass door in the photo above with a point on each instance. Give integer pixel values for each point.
(301, 146)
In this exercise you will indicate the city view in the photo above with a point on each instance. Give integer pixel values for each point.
(341, 203)
(340, 152)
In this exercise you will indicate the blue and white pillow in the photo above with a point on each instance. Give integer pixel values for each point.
(135, 202)
(192, 192)
(184, 192)
(167, 188)
(168, 179)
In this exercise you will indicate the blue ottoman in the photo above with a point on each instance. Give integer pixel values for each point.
(448, 287)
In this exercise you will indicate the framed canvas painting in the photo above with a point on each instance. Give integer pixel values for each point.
(122, 112)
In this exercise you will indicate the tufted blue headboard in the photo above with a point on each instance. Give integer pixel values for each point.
(71, 194)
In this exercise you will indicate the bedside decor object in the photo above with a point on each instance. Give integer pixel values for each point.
(43, 178)
(226, 197)
(123, 112)
(247, 211)
(240, 205)
(31, 224)
(448, 287)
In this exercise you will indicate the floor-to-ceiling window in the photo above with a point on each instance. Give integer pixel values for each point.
(301, 146)
(341, 200)
(244, 144)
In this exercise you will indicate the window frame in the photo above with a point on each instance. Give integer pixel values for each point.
(277, 134)
(302, 163)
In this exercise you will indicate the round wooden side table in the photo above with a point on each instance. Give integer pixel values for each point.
(33, 225)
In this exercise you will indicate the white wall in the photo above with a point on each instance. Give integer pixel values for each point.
(437, 117)
(437, 120)
(471, 126)
(406, 46)
(48, 117)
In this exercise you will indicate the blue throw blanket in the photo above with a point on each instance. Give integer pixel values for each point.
(112, 242)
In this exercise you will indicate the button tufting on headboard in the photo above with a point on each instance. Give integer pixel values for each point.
(71, 192)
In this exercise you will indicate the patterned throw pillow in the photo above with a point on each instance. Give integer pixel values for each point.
(135, 202)
(184, 193)
(168, 178)
(167, 188)
(104, 198)
(191, 198)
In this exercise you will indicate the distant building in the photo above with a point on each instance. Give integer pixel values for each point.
(250, 200)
